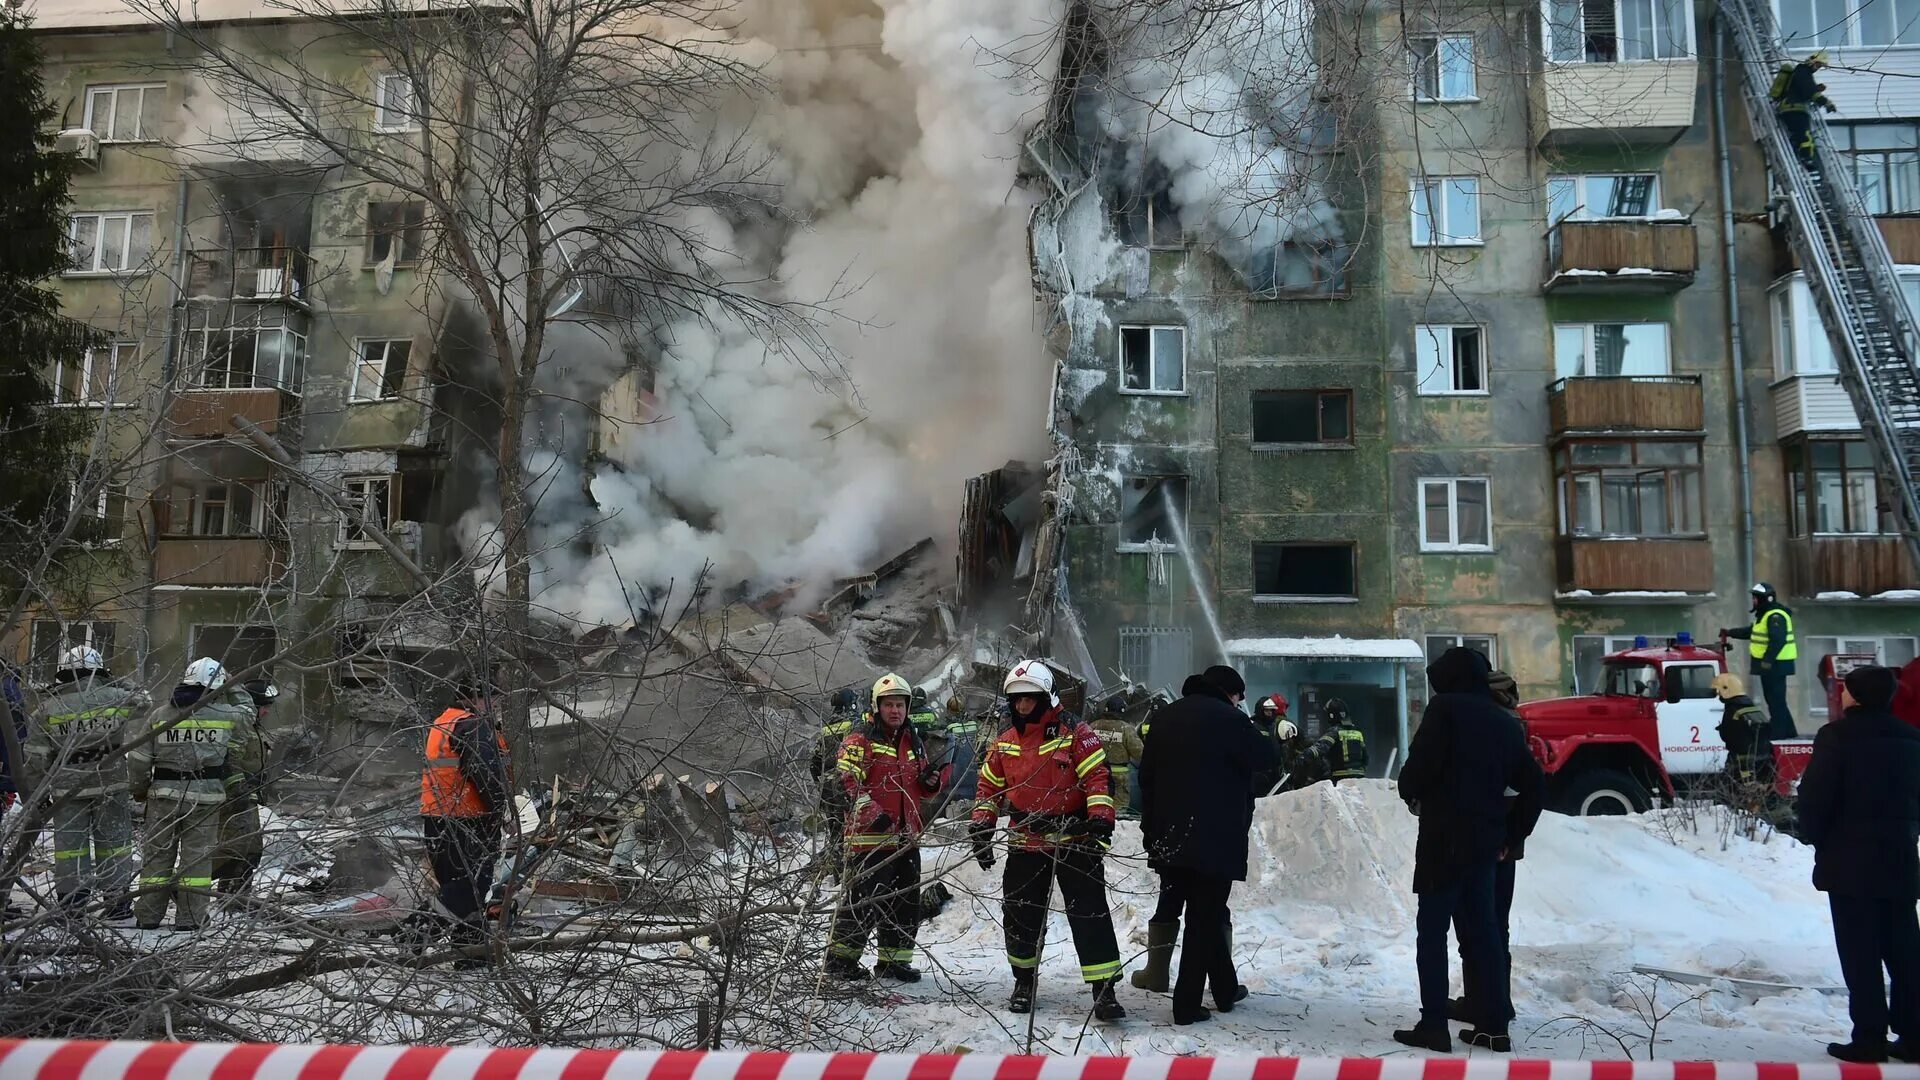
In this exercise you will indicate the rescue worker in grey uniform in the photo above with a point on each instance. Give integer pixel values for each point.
(75, 743)
(242, 842)
(208, 738)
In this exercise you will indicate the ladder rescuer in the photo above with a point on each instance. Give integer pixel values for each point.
(466, 795)
(883, 769)
(1795, 91)
(1048, 772)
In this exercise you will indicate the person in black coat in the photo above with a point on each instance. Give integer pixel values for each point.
(1859, 807)
(1197, 797)
(1464, 759)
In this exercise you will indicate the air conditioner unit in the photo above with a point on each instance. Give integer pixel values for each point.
(82, 143)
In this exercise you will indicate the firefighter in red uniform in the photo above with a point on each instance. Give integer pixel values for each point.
(1049, 771)
(885, 772)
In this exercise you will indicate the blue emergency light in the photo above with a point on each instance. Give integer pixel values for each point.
(1640, 641)
(1684, 639)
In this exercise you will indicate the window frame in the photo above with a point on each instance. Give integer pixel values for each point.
(113, 91)
(239, 632)
(114, 353)
(1153, 346)
(63, 631)
(1439, 226)
(132, 267)
(354, 487)
(1588, 353)
(288, 378)
(257, 527)
(360, 345)
(416, 233)
(1910, 168)
(1566, 487)
(1429, 331)
(1320, 441)
(1804, 491)
(1329, 260)
(1453, 545)
(1583, 202)
(1691, 48)
(1437, 58)
(112, 526)
(1461, 640)
(382, 119)
(1352, 596)
(1851, 21)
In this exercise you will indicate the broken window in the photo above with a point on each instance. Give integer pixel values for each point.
(371, 496)
(389, 223)
(1446, 210)
(394, 106)
(1454, 515)
(98, 503)
(381, 369)
(1602, 195)
(1151, 509)
(1442, 67)
(92, 378)
(51, 637)
(1147, 217)
(1153, 359)
(1325, 570)
(1302, 416)
(240, 649)
(1303, 268)
(1159, 657)
(1605, 31)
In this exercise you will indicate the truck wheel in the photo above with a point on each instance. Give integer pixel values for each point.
(1604, 792)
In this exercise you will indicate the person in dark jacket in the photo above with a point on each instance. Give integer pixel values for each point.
(1796, 91)
(1746, 731)
(1775, 653)
(1196, 784)
(1464, 759)
(1859, 807)
(1520, 821)
(1340, 753)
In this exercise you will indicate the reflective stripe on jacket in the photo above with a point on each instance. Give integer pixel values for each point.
(1054, 771)
(192, 758)
(445, 790)
(77, 733)
(881, 775)
(1762, 636)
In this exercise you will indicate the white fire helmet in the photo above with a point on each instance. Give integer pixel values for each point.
(1030, 677)
(889, 685)
(82, 658)
(1285, 730)
(206, 672)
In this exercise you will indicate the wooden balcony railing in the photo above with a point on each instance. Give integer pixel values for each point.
(1619, 565)
(1866, 565)
(208, 414)
(1621, 256)
(1626, 403)
(217, 560)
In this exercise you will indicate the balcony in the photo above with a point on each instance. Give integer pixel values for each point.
(1640, 104)
(1862, 565)
(1626, 403)
(206, 413)
(266, 275)
(1620, 257)
(1812, 403)
(218, 561)
(1633, 569)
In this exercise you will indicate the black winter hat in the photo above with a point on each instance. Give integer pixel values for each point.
(1872, 687)
(1226, 680)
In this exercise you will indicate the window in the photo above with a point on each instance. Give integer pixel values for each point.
(1147, 217)
(1630, 488)
(1893, 652)
(239, 649)
(1805, 24)
(381, 369)
(391, 222)
(394, 107)
(1282, 417)
(99, 503)
(1446, 210)
(1885, 159)
(1302, 269)
(373, 496)
(1693, 681)
(1602, 195)
(1303, 570)
(1151, 508)
(1589, 650)
(1442, 67)
(110, 242)
(1454, 515)
(1480, 643)
(1606, 31)
(1585, 350)
(92, 379)
(128, 113)
(1834, 489)
(51, 637)
(1450, 359)
(216, 509)
(245, 357)
(1800, 342)
(1160, 657)
(1153, 359)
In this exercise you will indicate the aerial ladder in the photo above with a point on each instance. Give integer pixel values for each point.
(1848, 270)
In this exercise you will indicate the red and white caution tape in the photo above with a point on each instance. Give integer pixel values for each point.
(52, 1059)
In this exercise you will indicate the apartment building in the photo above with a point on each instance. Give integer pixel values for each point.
(1503, 406)
(241, 272)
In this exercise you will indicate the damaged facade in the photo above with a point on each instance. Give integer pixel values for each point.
(1494, 406)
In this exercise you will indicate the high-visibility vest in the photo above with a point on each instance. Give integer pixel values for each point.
(1760, 639)
(444, 790)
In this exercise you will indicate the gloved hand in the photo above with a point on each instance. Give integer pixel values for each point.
(1829, 106)
(933, 776)
(881, 822)
(1099, 830)
(982, 837)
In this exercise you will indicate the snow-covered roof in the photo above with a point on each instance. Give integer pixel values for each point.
(1404, 650)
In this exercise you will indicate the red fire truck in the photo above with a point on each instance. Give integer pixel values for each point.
(1650, 732)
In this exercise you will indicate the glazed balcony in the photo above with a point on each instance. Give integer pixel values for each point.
(1639, 104)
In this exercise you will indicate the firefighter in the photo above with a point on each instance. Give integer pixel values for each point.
(963, 737)
(241, 841)
(1268, 716)
(1048, 772)
(1340, 753)
(884, 770)
(75, 744)
(920, 714)
(1745, 730)
(843, 709)
(466, 795)
(1796, 90)
(208, 732)
(1770, 642)
(1113, 730)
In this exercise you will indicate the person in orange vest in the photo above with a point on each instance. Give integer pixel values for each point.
(1049, 773)
(465, 798)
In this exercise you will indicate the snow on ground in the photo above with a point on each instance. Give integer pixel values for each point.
(1323, 936)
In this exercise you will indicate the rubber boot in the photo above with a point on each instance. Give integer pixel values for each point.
(1105, 1008)
(1022, 1000)
(1226, 997)
(1161, 937)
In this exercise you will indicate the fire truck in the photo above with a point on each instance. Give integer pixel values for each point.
(1649, 733)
